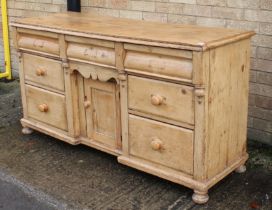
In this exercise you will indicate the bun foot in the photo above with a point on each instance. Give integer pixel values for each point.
(200, 197)
(27, 131)
(241, 169)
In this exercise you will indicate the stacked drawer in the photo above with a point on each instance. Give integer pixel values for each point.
(161, 113)
(43, 78)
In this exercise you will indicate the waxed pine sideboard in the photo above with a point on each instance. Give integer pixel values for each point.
(167, 99)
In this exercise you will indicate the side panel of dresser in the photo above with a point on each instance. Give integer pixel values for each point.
(227, 108)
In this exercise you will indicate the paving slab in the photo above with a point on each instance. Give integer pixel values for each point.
(14, 196)
(79, 177)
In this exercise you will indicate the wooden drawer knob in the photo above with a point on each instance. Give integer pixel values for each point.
(156, 144)
(87, 104)
(40, 72)
(156, 100)
(43, 107)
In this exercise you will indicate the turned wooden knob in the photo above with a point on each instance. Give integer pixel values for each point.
(87, 104)
(40, 72)
(43, 107)
(156, 100)
(156, 144)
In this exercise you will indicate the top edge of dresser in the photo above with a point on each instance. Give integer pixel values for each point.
(190, 37)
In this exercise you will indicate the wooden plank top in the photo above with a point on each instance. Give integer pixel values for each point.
(135, 31)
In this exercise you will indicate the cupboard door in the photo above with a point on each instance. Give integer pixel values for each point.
(102, 112)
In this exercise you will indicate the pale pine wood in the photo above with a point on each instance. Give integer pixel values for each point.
(243, 78)
(144, 133)
(43, 71)
(38, 44)
(63, 46)
(200, 197)
(159, 50)
(49, 130)
(118, 134)
(22, 85)
(56, 112)
(102, 115)
(161, 171)
(186, 36)
(81, 107)
(14, 34)
(215, 179)
(94, 72)
(119, 56)
(92, 53)
(71, 96)
(161, 119)
(200, 137)
(177, 176)
(27, 32)
(95, 42)
(201, 63)
(122, 78)
(100, 146)
(170, 100)
(201, 77)
(228, 99)
(157, 65)
(177, 99)
(44, 87)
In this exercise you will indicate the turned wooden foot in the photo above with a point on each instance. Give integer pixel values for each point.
(200, 197)
(240, 169)
(27, 130)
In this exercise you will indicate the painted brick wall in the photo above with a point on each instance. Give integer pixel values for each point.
(245, 14)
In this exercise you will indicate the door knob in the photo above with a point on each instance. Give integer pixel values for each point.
(87, 104)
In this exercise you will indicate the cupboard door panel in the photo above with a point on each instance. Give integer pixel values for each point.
(102, 115)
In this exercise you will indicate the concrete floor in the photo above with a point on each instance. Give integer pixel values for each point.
(23, 201)
(40, 172)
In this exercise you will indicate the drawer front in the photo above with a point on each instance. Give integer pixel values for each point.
(91, 53)
(163, 99)
(168, 63)
(38, 43)
(43, 71)
(46, 107)
(161, 143)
